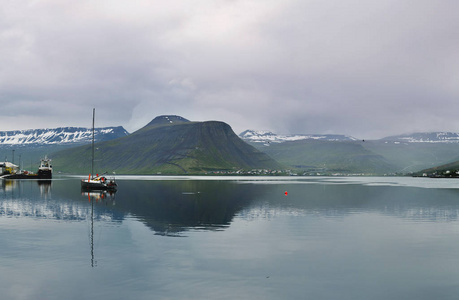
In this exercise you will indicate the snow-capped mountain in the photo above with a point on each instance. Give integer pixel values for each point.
(59, 136)
(425, 137)
(167, 119)
(267, 137)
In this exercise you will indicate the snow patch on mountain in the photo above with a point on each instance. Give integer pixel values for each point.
(167, 119)
(266, 137)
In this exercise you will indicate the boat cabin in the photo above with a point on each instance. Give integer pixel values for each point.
(8, 168)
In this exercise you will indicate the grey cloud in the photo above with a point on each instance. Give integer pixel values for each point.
(366, 69)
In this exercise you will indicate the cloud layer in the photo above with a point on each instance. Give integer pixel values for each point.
(367, 69)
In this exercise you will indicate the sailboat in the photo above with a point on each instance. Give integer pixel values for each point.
(97, 182)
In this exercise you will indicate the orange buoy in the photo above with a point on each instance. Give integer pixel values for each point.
(286, 193)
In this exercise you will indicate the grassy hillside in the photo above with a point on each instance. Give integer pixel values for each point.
(369, 157)
(328, 157)
(178, 148)
(446, 170)
(412, 157)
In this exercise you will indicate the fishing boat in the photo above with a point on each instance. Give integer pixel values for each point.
(97, 182)
(11, 171)
(45, 170)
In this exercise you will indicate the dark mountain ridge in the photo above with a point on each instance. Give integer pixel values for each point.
(169, 145)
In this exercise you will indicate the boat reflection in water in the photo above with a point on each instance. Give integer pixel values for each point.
(96, 197)
(45, 187)
(99, 196)
(12, 185)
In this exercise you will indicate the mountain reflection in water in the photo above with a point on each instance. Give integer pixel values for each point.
(244, 238)
(169, 207)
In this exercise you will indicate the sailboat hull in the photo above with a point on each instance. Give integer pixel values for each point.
(97, 185)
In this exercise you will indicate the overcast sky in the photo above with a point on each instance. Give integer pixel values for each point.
(363, 68)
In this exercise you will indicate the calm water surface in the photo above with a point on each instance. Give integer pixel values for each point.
(231, 238)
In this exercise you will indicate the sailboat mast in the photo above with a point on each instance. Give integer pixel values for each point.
(92, 159)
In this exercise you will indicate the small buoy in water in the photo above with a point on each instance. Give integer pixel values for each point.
(286, 193)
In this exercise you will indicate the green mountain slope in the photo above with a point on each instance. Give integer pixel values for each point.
(328, 157)
(450, 169)
(412, 157)
(168, 145)
(369, 157)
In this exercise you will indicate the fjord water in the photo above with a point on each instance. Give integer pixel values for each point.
(231, 238)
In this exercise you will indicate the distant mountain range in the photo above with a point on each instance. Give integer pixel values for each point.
(26, 147)
(340, 154)
(267, 137)
(426, 137)
(174, 145)
(82, 135)
(59, 136)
